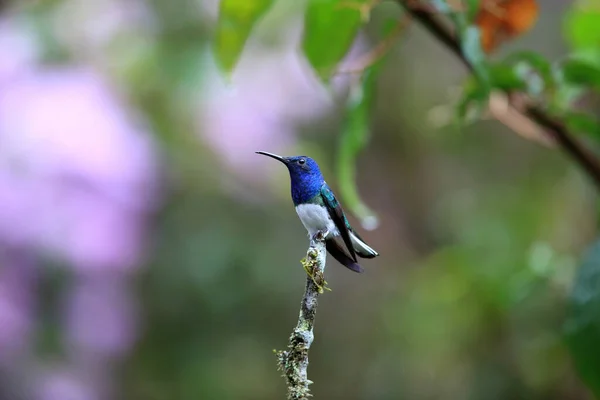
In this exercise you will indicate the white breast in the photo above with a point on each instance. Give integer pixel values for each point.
(316, 218)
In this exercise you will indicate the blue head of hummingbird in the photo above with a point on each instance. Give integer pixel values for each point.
(320, 212)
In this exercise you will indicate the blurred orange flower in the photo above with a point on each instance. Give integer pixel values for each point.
(502, 20)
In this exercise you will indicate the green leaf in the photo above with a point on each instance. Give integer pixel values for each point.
(582, 27)
(506, 77)
(582, 326)
(330, 27)
(471, 48)
(354, 138)
(473, 101)
(571, 82)
(537, 63)
(472, 8)
(580, 72)
(525, 71)
(388, 26)
(566, 94)
(469, 37)
(236, 21)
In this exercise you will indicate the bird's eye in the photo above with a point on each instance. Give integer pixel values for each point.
(301, 161)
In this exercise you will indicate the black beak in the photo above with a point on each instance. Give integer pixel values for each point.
(275, 156)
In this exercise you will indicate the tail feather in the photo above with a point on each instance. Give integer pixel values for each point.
(361, 248)
(340, 255)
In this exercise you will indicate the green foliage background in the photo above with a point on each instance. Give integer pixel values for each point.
(523, 267)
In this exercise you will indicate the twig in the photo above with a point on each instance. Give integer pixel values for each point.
(364, 8)
(554, 129)
(584, 157)
(501, 109)
(294, 361)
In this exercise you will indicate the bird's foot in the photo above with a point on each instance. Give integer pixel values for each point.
(320, 236)
(314, 273)
(319, 281)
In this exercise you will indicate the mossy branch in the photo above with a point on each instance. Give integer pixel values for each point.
(294, 361)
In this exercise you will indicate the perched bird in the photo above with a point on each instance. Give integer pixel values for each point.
(320, 212)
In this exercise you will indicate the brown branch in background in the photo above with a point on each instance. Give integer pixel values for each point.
(552, 129)
(555, 128)
(501, 109)
(435, 27)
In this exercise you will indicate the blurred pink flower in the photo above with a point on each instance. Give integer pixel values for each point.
(87, 28)
(101, 318)
(17, 286)
(76, 171)
(78, 182)
(270, 92)
(57, 382)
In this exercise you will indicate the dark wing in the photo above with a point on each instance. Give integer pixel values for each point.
(337, 215)
(339, 254)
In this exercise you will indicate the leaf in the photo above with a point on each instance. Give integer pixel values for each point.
(537, 62)
(330, 27)
(354, 138)
(473, 101)
(472, 8)
(504, 20)
(580, 72)
(534, 84)
(390, 24)
(579, 76)
(469, 38)
(506, 77)
(582, 326)
(582, 27)
(237, 18)
(471, 48)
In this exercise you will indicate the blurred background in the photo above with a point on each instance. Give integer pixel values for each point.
(146, 252)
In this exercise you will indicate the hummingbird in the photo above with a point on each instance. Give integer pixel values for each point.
(321, 213)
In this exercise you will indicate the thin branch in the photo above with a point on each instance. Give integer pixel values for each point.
(500, 108)
(294, 361)
(432, 22)
(364, 8)
(584, 157)
(554, 129)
